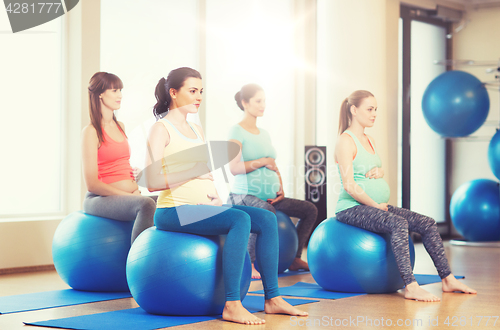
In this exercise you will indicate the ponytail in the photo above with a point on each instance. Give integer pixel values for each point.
(162, 98)
(175, 80)
(345, 117)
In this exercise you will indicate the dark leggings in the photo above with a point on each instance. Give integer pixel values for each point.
(398, 222)
(140, 209)
(237, 222)
(304, 210)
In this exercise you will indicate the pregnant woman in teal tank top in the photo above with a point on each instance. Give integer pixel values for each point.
(257, 178)
(365, 194)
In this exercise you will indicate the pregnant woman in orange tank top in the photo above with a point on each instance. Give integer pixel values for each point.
(112, 190)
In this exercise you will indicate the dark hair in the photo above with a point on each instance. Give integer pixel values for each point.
(98, 84)
(355, 99)
(246, 93)
(175, 80)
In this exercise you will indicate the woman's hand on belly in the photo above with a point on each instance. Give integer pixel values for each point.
(271, 164)
(375, 173)
(215, 200)
(280, 195)
(383, 206)
(129, 186)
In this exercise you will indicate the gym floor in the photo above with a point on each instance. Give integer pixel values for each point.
(479, 265)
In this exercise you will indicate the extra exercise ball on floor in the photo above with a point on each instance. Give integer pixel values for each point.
(173, 273)
(475, 210)
(288, 242)
(455, 104)
(90, 252)
(494, 154)
(345, 258)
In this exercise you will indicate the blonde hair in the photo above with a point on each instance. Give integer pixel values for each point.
(345, 118)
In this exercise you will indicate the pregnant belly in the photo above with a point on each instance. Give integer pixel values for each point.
(125, 185)
(377, 189)
(263, 183)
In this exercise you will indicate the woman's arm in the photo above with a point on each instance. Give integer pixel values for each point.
(156, 180)
(236, 166)
(90, 144)
(344, 152)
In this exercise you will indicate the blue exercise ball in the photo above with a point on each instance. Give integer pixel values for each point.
(288, 242)
(172, 273)
(90, 252)
(455, 104)
(494, 154)
(475, 210)
(345, 258)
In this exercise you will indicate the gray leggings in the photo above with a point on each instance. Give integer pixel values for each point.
(123, 208)
(304, 210)
(398, 222)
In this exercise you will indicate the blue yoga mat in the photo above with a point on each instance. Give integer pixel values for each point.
(138, 319)
(423, 279)
(312, 290)
(51, 299)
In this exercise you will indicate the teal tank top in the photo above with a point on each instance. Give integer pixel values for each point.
(377, 189)
(262, 183)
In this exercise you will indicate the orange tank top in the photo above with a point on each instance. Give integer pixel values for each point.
(113, 160)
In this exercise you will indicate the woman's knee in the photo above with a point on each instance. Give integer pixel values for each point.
(429, 224)
(146, 204)
(311, 208)
(241, 220)
(268, 207)
(399, 223)
(264, 221)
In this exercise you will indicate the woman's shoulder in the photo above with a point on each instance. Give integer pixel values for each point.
(345, 141)
(89, 130)
(345, 138)
(236, 132)
(89, 136)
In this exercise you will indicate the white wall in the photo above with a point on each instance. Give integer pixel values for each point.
(29, 243)
(477, 41)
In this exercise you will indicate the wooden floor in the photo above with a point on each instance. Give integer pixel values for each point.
(479, 265)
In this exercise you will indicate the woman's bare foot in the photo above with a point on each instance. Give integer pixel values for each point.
(255, 272)
(278, 305)
(235, 312)
(451, 284)
(298, 264)
(415, 292)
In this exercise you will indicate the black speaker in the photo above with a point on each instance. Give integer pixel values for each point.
(315, 179)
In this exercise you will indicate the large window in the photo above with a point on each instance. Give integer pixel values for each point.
(231, 44)
(252, 42)
(31, 128)
(164, 36)
(422, 151)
